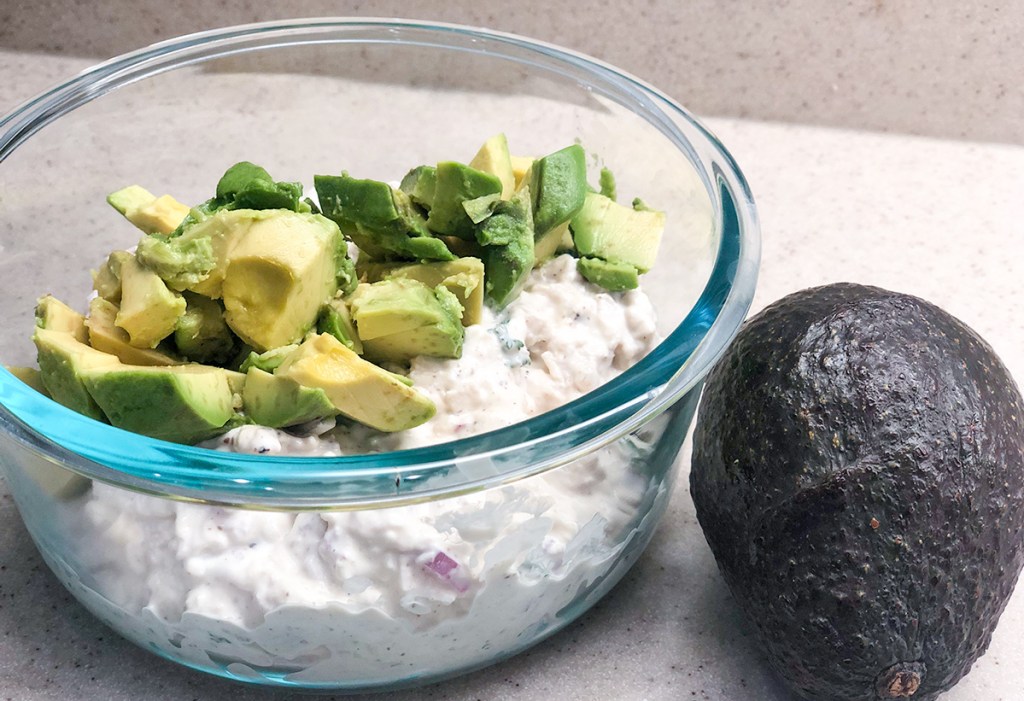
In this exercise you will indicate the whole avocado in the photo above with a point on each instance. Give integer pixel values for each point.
(858, 471)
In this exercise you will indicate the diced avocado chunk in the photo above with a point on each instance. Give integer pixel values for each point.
(54, 315)
(222, 230)
(559, 186)
(357, 388)
(107, 279)
(419, 184)
(614, 277)
(382, 221)
(278, 276)
(130, 198)
(248, 186)
(335, 320)
(399, 318)
(106, 336)
(30, 376)
(277, 401)
(457, 183)
(180, 262)
(268, 361)
(181, 403)
(521, 165)
(202, 335)
(149, 310)
(154, 215)
(547, 246)
(618, 234)
(463, 277)
(508, 257)
(494, 158)
(63, 361)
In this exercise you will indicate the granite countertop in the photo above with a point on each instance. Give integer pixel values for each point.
(939, 219)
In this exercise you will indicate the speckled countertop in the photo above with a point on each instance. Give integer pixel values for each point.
(936, 218)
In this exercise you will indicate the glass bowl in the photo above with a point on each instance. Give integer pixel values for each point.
(368, 571)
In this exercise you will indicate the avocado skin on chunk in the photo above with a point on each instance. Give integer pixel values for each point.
(858, 471)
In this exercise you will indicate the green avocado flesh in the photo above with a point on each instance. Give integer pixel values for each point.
(463, 277)
(181, 403)
(248, 308)
(614, 277)
(277, 401)
(357, 388)
(456, 183)
(382, 221)
(508, 240)
(400, 318)
(605, 229)
(559, 186)
(63, 361)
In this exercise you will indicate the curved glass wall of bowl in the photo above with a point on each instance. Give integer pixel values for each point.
(416, 593)
(374, 99)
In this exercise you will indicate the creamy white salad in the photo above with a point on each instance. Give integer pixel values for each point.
(373, 595)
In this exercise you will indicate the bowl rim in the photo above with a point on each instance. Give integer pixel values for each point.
(625, 404)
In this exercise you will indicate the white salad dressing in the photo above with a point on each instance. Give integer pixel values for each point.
(371, 595)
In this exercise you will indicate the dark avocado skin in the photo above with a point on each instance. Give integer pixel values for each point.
(858, 471)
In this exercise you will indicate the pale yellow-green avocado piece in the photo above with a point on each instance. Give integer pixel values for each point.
(357, 388)
(464, 277)
(398, 319)
(548, 245)
(154, 215)
(106, 336)
(493, 157)
(276, 401)
(107, 279)
(224, 229)
(62, 362)
(180, 403)
(30, 376)
(53, 314)
(613, 232)
(520, 168)
(278, 276)
(149, 309)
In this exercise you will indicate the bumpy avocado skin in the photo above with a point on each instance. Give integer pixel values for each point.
(858, 471)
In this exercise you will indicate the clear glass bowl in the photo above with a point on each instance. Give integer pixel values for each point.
(370, 571)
